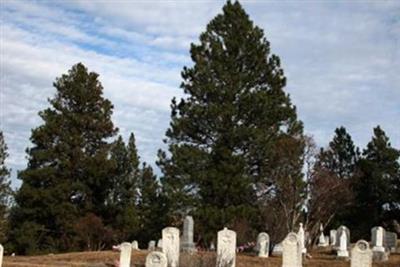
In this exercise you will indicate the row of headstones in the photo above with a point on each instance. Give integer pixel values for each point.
(361, 254)
(169, 256)
(382, 242)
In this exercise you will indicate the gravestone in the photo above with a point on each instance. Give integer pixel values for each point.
(361, 255)
(156, 259)
(135, 245)
(301, 237)
(378, 239)
(187, 238)
(159, 243)
(170, 245)
(323, 241)
(292, 251)
(125, 254)
(212, 246)
(391, 241)
(226, 248)
(277, 250)
(262, 246)
(339, 234)
(343, 245)
(332, 235)
(152, 245)
(1, 255)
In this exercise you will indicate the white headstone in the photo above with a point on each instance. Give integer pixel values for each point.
(339, 233)
(212, 246)
(332, 235)
(301, 237)
(159, 243)
(187, 236)
(323, 241)
(135, 245)
(170, 245)
(378, 237)
(292, 251)
(342, 251)
(361, 255)
(263, 245)
(226, 248)
(152, 245)
(1, 255)
(156, 259)
(277, 250)
(125, 254)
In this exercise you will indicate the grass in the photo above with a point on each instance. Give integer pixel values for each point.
(320, 258)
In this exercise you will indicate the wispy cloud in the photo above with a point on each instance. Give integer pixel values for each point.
(342, 61)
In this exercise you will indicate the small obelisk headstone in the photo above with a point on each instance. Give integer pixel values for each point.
(187, 239)
(301, 238)
(361, 255)
(226, 248)
(342, 251)
(262, 246)
(156, 259)
(125, 254)
(322, 242)
(292, 251)
(170, 245)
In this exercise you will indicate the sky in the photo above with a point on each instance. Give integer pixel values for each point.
(341, 60)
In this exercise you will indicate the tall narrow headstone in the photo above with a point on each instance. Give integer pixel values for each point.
(342, 251)
(1, 255)
(332, 235)
(226, 248)
(301, 237)
(187, 239)
(135, 245)
(292, 251)
(262, 246)
(377, 238)
(125, 254)
(170, 245)
(156, 259)
(339, 234)
(361, 255)
(159, 243)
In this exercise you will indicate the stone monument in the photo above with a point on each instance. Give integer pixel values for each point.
(391, 241)
(170, 245)
(332, 237)
(187, 238)
(342, 250)
(301, 238)
(135, 245)
(361, 255)
(262, 246)
(125, 254)
(156, 259)
(292, 251)
(152, 245)
(226, 248)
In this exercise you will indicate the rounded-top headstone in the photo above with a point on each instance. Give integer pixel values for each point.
(156, 259)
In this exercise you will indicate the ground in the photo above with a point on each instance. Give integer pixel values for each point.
(320, 258)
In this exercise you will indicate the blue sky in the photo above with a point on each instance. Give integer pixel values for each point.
(341, 58)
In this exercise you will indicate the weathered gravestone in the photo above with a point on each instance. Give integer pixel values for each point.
(339, 234)
(135, 245)
(361, 255)
(226, 248)
(156, 259)
(159, 243)
(377, 239)
(302, 238)
(343, 245)
(187, 238)
(332, 237)
(391, 241)
(125, 254)
(170, 245)
(262, 246)
(1, 255)
(292, 251)
(152, 245)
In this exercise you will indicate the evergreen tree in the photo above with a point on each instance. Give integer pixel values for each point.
(377, 189)
(227, 133)
(341, 156)
(5, 190)
(67, 176)
(124, 195)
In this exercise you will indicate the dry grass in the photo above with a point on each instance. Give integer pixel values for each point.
(320, 258)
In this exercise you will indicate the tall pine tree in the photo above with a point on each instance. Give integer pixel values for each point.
(377, 192)
(68, 170)
(5, 189)
(227, 133)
